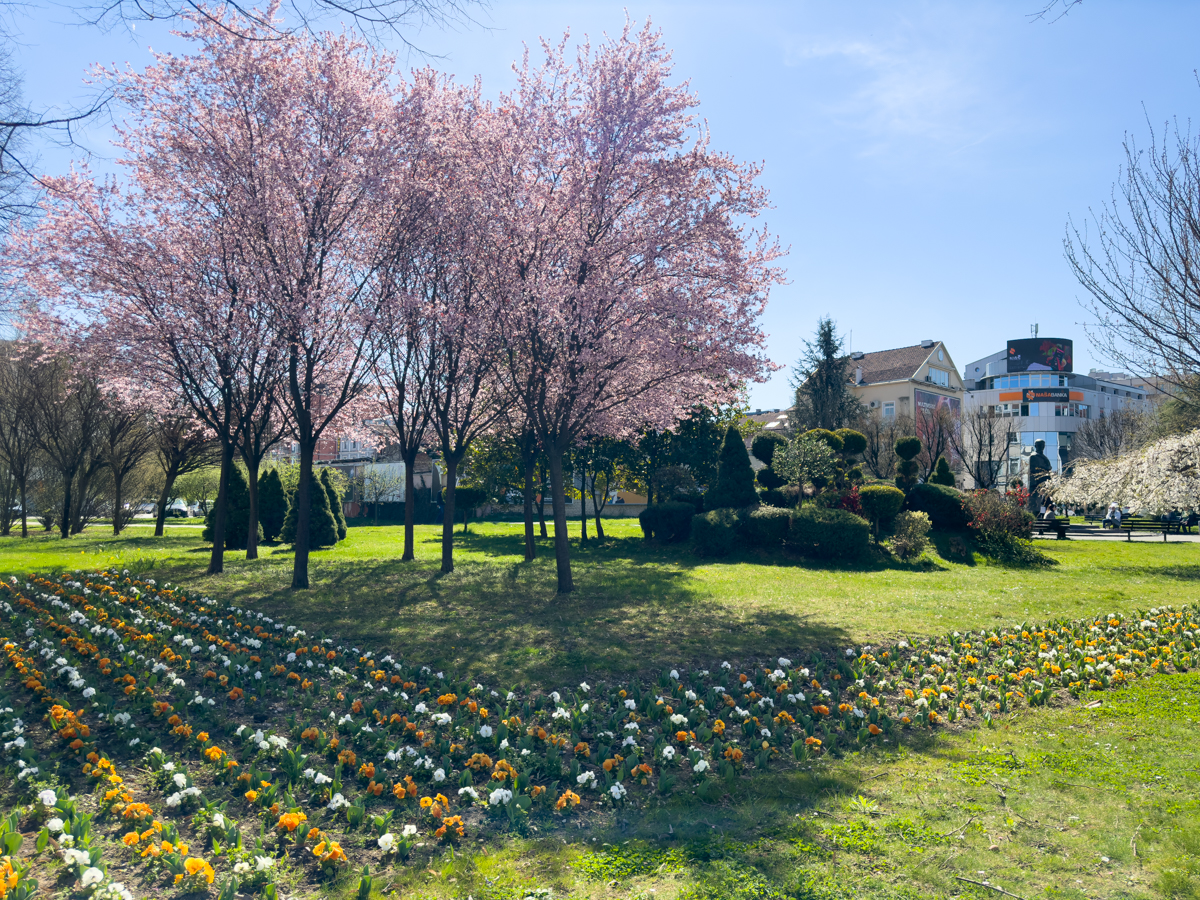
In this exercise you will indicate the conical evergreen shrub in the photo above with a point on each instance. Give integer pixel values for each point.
(335, 501)
(942, 474)
(734, 488)
(272, 504)
(237, 513)
(322, 526)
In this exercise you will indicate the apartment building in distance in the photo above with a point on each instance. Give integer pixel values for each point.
(907, 381)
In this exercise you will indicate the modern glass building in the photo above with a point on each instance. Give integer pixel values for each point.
(1032, 381)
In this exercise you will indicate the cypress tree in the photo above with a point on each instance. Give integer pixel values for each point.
(735, 477)
(322, 526)
(272, 503)
(237, 513)
(335, 501)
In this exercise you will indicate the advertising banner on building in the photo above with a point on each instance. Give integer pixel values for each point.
(1045, 395)
(1040, 355)
(928, 401)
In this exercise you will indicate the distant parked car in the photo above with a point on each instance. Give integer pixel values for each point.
(177, 510)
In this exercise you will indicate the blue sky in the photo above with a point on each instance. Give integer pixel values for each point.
(923, 158)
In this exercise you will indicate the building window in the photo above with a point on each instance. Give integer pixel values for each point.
(889, 409)
(939, 376)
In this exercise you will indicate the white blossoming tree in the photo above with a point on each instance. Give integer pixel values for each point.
(1163, 475)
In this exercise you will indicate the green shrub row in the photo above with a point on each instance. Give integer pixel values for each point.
(811, 531)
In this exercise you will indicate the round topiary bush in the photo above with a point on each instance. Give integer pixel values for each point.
(831, 439)
(828, 533)
(764, 446)
(853, 442)
(770, 479)
(880, 503)
(907, 449)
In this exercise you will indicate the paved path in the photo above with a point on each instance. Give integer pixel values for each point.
(1091, 533)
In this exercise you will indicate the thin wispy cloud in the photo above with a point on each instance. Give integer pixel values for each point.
(912, 89)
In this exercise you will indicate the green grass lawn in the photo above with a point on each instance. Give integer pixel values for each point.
(636, 607)
(1072, 802)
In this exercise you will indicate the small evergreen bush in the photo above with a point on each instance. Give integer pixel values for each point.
(907, 449)
(322, 527)
(880, 503)
(828, 533)
(782, 498)
(944, 505)
(669, 523)
(941, 473)
(237, 513)
(335, 501)
(272, 503)
(466, 501)
(770, 479)
(714, 532)
(910, 536)
(764, 528)
(734, 487)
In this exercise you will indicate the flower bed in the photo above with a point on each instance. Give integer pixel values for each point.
(242, 726)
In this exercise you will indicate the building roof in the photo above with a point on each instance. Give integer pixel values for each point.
(771, 419)
(892, 365)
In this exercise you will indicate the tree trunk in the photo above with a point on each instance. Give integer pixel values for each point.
(530, 546)
(252, 485)
(216, 562)
(582, 509)
(303, 515)
(117, 491)
(598, 508)
(562, 548)
(410, 507)
(448, 516)
(64, 528)
(542, 501)
(21, 485)
(160, 518)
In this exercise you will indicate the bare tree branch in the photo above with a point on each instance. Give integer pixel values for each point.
(1053, 11)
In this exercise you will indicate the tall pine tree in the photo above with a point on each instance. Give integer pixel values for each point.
(822, 382)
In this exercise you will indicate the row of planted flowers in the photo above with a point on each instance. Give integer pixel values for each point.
(238, 715)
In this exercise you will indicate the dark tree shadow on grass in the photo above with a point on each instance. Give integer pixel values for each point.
(626, 616)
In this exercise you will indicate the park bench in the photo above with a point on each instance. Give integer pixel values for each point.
(1149, 523)
(1059, 525)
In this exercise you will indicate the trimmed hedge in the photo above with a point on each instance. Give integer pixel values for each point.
(714, 532)
(667, 522)
(943, 505)
(765, 528)
(828, 533)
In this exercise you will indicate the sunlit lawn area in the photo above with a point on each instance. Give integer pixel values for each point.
(637, 607)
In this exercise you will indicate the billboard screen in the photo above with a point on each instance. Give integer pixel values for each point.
(1040, 355)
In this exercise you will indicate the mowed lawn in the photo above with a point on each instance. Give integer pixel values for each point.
(637, 607)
